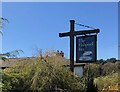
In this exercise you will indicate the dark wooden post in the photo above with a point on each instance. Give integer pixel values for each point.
(72, 45)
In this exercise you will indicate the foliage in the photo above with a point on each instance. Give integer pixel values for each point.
(5, 82)
(102, 73)
(2, 20)
(11, 54)
(107, 83)
(38, 76)
(111, 60)
(102, 68)
(46, 73)
(93, 69)
(88, 84)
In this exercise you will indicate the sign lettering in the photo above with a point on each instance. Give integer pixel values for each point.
(86, 48)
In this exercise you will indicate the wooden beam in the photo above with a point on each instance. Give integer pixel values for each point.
(81, 32)
(84, 32)
(64, 34)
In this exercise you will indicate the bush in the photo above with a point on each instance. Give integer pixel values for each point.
(107, 83)
(93, 69)
(102, 68)
(38, 76)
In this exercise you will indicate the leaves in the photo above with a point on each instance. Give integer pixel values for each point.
(12, 54)
(109, 82)
(3, 20)
(31, 75)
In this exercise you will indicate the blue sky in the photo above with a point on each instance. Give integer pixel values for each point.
(37, 25)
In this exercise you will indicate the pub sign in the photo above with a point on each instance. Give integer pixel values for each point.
(86, 49)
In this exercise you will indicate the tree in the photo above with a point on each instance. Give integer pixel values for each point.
(1, 21)
(13, 53)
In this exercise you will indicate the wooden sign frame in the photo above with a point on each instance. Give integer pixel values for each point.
(86, 49)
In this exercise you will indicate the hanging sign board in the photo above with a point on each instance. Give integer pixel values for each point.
(86, 49)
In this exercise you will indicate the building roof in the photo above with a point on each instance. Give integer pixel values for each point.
(12, 61)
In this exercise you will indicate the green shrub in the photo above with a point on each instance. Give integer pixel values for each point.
(102, 68)
(108, 83)
(38, 76)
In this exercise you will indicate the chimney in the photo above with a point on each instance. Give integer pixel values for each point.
(62, 53)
